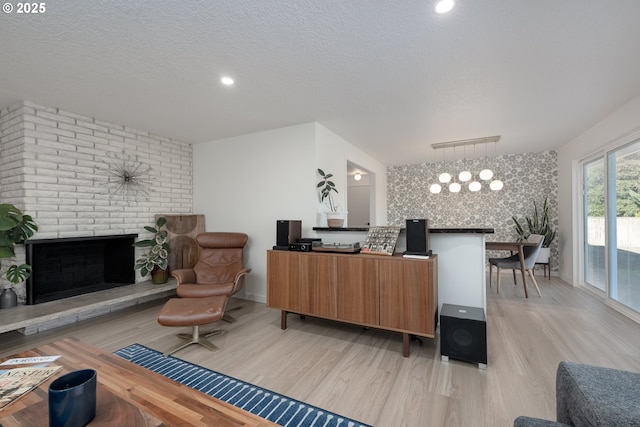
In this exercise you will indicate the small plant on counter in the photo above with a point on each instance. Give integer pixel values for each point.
(327, 187)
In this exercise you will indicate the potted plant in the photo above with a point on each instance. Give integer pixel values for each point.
(538, 223)
(15, 227)
(335, 218)
(156, 261)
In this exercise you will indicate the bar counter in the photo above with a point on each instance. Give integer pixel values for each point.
(461, 259)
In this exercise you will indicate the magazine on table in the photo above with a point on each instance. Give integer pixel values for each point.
(15, 383)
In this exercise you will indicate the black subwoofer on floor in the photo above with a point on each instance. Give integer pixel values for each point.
(463, 334)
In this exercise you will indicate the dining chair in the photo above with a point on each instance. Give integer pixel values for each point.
(513, 262)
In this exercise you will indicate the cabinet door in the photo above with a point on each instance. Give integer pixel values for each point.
(318, 284)
(282, 280)
(407, 295)
(357, 290)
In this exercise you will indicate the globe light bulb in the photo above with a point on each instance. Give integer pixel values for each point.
(475, 186)
(444, 177)
(486, 174)
(435, 188)
(496, 185)
(465, 176)
(455, 187)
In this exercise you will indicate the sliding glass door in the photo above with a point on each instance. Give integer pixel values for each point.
(594, 224)
(624, 206)
(611, 207)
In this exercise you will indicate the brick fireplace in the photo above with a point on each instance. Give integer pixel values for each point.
(50, 162)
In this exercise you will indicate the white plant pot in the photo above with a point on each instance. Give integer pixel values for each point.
(543, 255)
(336, 219)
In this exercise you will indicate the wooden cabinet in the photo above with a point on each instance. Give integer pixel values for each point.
(317, 285)
(357, 290)
(403, 284)
(392, 293)
(283, 268)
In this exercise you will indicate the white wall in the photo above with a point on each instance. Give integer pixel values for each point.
(622, 122)
(249, 182)
(333, 153)
(359, 205)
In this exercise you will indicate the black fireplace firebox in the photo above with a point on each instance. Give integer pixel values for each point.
(67, 267)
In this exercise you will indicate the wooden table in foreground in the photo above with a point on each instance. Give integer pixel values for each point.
(513, 247)
(128, 394)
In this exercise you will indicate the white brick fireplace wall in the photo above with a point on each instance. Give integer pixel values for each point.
(50, 164)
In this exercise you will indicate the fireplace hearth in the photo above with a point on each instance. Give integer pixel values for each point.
(66, 267)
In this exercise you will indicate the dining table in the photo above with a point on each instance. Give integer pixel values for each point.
(513, 247)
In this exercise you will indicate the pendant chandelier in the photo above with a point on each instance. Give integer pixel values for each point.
(467, 175)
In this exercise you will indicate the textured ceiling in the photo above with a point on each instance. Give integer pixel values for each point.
(388, 75)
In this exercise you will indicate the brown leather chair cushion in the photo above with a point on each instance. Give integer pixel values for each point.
(221, 240)
(192, 311)
(218, 265)
(191, 290)
(220, 257)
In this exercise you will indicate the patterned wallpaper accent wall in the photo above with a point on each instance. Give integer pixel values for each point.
(527, 178)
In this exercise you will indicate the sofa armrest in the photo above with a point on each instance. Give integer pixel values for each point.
(535, 422)
(597, 396)
(184, 275)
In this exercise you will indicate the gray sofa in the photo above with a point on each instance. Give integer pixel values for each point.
(592, 396)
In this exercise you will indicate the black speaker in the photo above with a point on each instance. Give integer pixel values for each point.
(287, 232)
(463, 334)
(417, 236)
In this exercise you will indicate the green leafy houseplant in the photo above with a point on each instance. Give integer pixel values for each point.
(326, 187)
(538, 223)
(159, 253)
(15, 227)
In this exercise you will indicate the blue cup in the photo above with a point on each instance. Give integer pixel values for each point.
(72, 399)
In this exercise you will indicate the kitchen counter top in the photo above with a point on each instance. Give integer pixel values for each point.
(402, 230)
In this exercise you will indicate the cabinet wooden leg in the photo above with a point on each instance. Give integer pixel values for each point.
(283, 320)
(405, 344)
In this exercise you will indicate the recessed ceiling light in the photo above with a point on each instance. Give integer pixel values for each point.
(444, 6)
(227, 81)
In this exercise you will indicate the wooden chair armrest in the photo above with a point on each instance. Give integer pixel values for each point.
(238, 281)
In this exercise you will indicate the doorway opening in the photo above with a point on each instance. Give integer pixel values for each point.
(360, 184)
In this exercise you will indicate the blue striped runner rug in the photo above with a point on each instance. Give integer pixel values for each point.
(272, 406)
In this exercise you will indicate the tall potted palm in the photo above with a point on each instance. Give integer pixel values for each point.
(538, 223)
(15, 227)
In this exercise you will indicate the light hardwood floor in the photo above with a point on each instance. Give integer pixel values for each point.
(361, 373)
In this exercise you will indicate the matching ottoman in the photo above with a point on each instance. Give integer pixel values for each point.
(193, 312)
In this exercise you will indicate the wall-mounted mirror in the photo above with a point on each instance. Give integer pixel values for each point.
(359, 185)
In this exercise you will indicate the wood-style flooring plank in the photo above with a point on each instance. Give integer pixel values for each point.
(360, 373)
